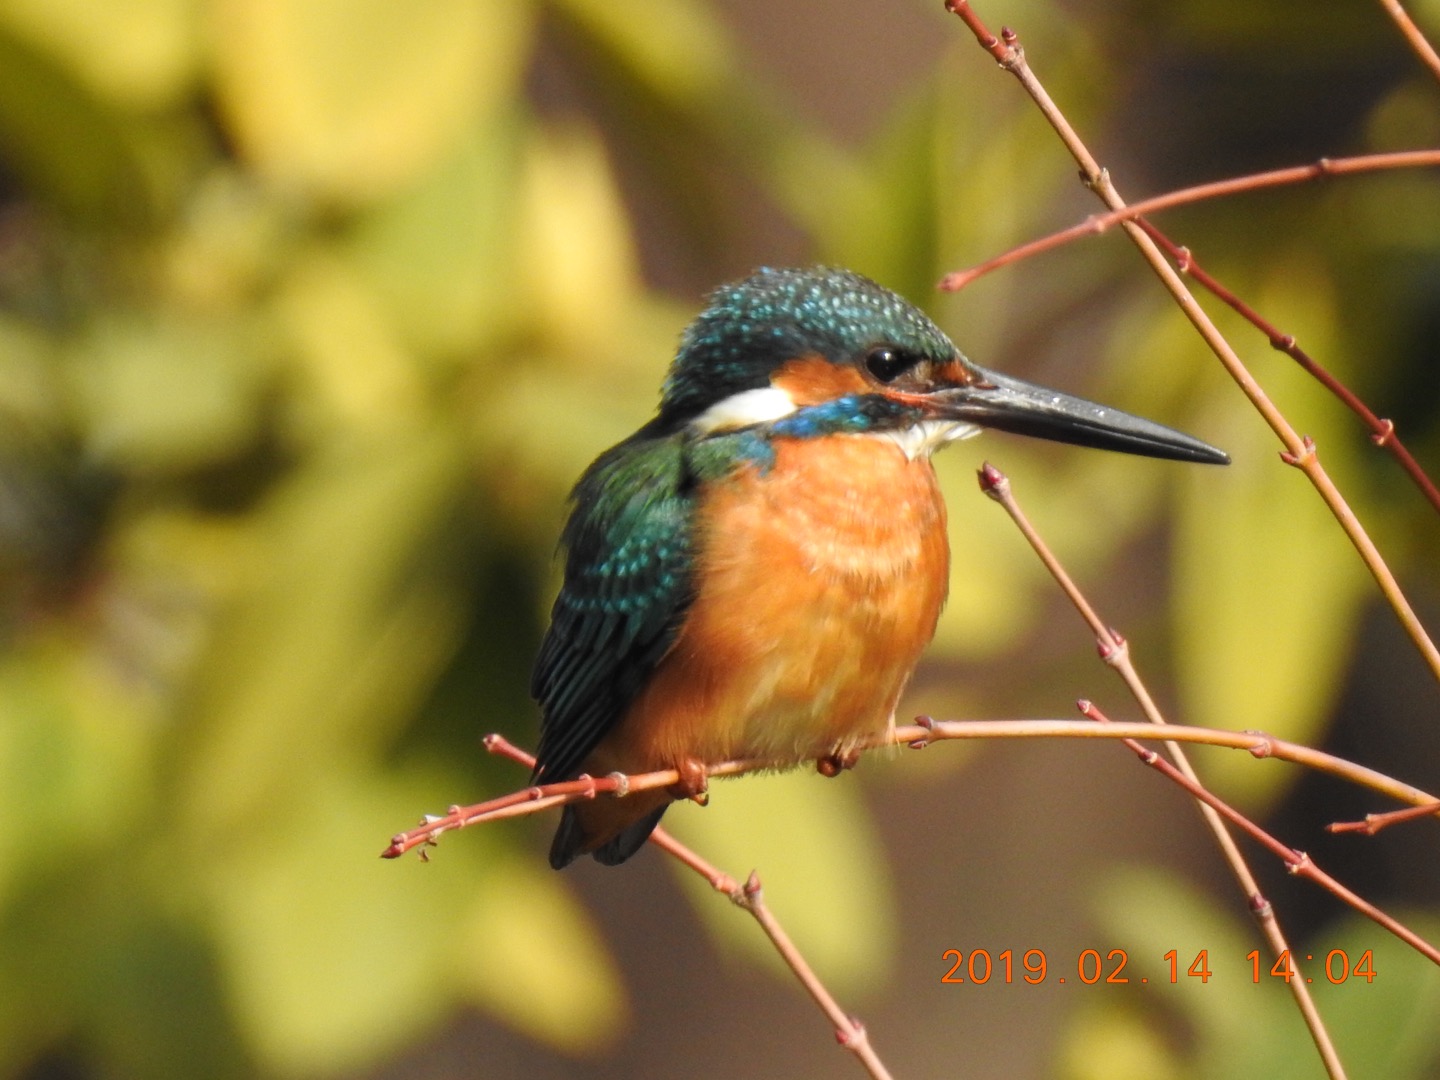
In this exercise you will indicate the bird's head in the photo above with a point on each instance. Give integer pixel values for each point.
(823, 351)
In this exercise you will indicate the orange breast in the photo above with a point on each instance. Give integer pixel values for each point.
(820, 583)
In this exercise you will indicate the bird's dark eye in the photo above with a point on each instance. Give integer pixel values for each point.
(886, 362)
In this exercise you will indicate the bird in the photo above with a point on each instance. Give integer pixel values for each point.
(755, 572)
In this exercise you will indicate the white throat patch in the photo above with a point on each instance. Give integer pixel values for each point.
(924, 438)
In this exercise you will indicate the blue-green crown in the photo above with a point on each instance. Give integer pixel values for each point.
(753, 326)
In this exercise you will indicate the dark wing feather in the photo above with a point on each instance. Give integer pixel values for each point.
(628, 584)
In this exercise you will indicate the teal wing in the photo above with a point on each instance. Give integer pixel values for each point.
(628, 584)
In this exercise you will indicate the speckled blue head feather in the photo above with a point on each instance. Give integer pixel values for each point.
(753, 326)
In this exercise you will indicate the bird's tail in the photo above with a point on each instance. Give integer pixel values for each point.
(597, 829)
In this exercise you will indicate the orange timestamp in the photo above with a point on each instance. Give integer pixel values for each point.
(979, 966)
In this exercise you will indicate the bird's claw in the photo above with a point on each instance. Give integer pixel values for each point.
(833, 764)
(694, 782)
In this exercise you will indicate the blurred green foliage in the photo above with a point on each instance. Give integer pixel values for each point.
(309, 315)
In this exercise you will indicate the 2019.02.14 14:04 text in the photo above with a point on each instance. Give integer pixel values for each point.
(979, 966)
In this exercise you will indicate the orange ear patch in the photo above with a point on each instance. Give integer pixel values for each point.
(953, 374)
(810, 380)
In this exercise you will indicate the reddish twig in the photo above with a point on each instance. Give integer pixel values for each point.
(1421, 47)
(1115, 651)
(849, 1032)
(1382, 431)
(1373, 823)
(1256, 743)
(539, 797)
(1100, 223)
(1299, 452)
(987, 40)
(525, 801)
(916, 736)
(1297, 862)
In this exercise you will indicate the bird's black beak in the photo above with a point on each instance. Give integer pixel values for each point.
(997, 401)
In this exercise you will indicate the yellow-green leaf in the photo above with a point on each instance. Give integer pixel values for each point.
(140, 54)
(349, 99)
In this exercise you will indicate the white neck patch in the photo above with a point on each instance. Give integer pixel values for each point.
(741, 410)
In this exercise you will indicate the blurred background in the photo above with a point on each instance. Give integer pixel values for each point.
(310, 313)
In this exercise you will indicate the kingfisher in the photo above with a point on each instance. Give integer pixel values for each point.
(756, 571)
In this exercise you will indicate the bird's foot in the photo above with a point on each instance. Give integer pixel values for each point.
(833, 764)
(694, 782)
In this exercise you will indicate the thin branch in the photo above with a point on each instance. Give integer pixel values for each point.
(849, 1032)
(1101, 223)
(1418, 43)
(1299, 452)
(915, 736)
(537, 797)
(1257, 743)
(1115, 651)
(1373, 823)
(1382, 431)
(1297, 862)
